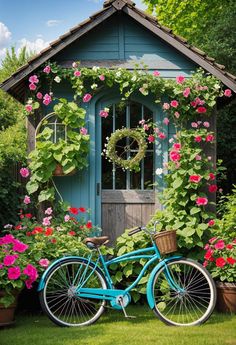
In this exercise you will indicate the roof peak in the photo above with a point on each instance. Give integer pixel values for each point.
(118, 4)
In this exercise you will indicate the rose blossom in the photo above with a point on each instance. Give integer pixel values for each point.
(28, 108)
(47, 69)
(220, 262)
(32, 87)
(33, 79)
(83, 131)
(26, 200)
(198, 139)
(177, 146)
(212, 188)
(161, 135)
(206, 124)
(39, 95)
(103, 113)
(47, 99)
(198, 157)
(201, 201)
(211, 222)
(220, 244)
(102, 77)
(87, 97)
(66, 218)
(156, 73)
(151, 138)
(13, 273)
(195, 178)
(9, 260)
(174, 103)
(24, 172)
(145, 127)
(180, 79)
(77, 73)
(166, 121)
(231, 260)
(166, 106)
(48, 211)
(174, 156)
(186, 92)
(210, 138)
(201, 110)
(228, 93)
(194, 124)
(44, 262)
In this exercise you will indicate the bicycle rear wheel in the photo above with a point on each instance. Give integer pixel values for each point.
(58, 297)
(194, 301)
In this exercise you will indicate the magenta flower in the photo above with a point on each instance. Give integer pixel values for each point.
(212, 188)
(87, 97)
(48, 211)
(26, 200)
(166, 121)
(198, 139)
(77, 73)
(9, 260)
(31, 271)
(47, 69)
(83, 131)
(174, 156)
(39, 95)
(47, 99)
(195, 178)
(33, 79)
(151, 138)
(161, 135)
(180, 79)
(19, 247)
(210, 138)
(201, 110)
(228, 93)
(174, 103)
(24, 172)
(176, 146)
(103, 113)
(102, 77)
(28, 108)
(44, 262)
(211, 222)
(13, 273)
(32, 87)
(187, 92)
(156, 73)
(145, 127)
(201, 201)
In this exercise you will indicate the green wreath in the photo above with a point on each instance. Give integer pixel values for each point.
(126, 163)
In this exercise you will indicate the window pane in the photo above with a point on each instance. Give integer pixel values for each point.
(60, 132)
(106, 174)
(148, 171)
(120, 115)
(147, 114)
(120, 178)
(107, 129)
(135, 114)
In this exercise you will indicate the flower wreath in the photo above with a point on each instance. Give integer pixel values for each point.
(130, 163)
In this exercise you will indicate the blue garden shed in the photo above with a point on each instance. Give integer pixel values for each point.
(120, 35)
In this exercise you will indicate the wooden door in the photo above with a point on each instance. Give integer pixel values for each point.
(127, 198)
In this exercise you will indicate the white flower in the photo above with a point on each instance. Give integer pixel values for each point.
(107, 110)
(171, 140)
(159, 171)
(217, 86)
(94, 86)
(95, 68)
(30, 101)
(57, 79)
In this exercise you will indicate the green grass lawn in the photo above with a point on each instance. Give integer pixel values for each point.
(113, 329)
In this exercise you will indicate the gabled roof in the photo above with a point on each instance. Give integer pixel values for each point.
(15, 83)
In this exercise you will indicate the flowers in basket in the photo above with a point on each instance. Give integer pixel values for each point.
(220, 259)
(16, 269)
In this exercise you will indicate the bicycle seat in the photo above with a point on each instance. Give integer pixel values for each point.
(97, 241)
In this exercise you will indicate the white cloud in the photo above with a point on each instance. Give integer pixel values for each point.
(5, 37)
(33, 46)
(95, 1)
(53, 22)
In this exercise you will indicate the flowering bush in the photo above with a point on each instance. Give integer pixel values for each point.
(16, 270)
(220, 259)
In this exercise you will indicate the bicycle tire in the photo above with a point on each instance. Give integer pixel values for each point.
(195, 304)
(58, 298)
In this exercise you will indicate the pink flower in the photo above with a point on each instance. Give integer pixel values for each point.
(177, 146)
(199, 101)
(166, 106)
(220, 262)
(229, 246)
(174, 156)
(47, 99)
(166, 121)
(7, 239)
(77, 73)
(19, 247)
(39, 95)
(212, 188)
(198, 139)
(180, 79)
(47, 69)
(30, 271)
(193, 104)
(33, 79)
(47, 221)
(210, 138)
(205, 263)
(87, 97)
(142, 122)
(24, 172)
(156, 130)
(32, 86)
(211, 176)
(211, 240)
(145, 127)
(156, 73)
(44, 262)
(103, 113)
(48, 211)
(206, 124)
(198, 158)
(13, 273)
(102, 77)
(220, 244)
(228, 93)
(26, 200)
(211, 222)
(174, 103)
(207, 246)
(194, 124)
(83, 131)
(186, 92)
(208, 254)
(201, 201)
(201, 110)
(151, 138)
(161, 135)
(28, 108)
(177, 115)
(195, 178)
(9, 260)
(67, 218)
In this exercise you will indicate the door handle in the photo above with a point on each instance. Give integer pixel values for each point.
(98, 188)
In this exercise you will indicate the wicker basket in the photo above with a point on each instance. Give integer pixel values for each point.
(166, 241)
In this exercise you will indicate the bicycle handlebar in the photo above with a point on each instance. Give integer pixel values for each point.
(135, 231)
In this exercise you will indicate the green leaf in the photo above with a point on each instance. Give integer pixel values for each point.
(118, 276)
(128, 270)
(195, 210)
(32, 187)
(47, 194)
(177, 183)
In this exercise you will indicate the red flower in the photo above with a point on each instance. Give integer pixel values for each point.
(220, 244)
(53, 240)
(201, 110)
(193, 104)
(212, 188)
(89, 224)
(220, 262)
(210, 138)
(151, 138)
(211, 222)
(174, 103)
(161, 135)
(82, 209)
(72, 233)
(195, 178)
(49, 232)
(18, 227)
(28, 233)
(198, 139)
(174, 156)
(37, 230)
(231, 260)
(201, 201)
(28, 215)
(74, 210)
(208, 254)
(177, 146)
(229, 246)
(212, 176)
(22, 216)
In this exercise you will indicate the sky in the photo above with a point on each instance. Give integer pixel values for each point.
(36, 23)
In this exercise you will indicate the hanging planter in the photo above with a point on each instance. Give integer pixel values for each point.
(59, 171)
(120, 154)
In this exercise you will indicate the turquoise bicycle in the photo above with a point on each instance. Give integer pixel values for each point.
(74, 290)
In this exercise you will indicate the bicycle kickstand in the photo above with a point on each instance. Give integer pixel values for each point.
(124, 311)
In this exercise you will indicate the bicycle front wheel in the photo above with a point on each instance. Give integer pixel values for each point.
(59, 299)
(184, 293)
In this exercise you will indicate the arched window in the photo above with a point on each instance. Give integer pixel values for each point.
(59, 130)
(113, 178)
